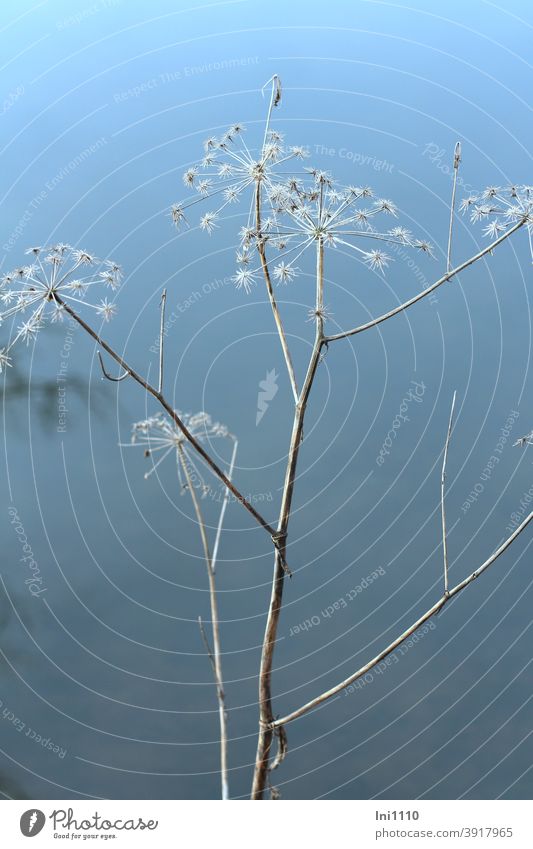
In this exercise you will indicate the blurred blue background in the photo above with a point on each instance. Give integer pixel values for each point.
(104, 105)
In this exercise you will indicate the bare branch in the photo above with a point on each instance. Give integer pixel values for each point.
(443, 510)
(273, 303)
(266, 717)
(215, 656)
(456, 161)
(161, 338)
(207, 648)
(267, 724)
(190, 486)
(275, 99)
(107, 375)
(173, 415)
(223, 508)
(429, 613)
(319, 297)
(448, 276)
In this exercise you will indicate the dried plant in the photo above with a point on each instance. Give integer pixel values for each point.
(59, 269)
(295, 214)
(308, 211)
(160, 439)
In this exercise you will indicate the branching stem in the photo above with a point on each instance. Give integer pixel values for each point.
(273, 303)
(444, 279)
(266, 716)
(267, 724)
(173, 415)
(290, 717)
(224, 506)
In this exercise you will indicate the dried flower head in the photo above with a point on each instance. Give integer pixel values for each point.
(289, 208)
(160, 438)
(323, 312)
(376, 260)
(59, 271)
(500, 208)
(524, 440)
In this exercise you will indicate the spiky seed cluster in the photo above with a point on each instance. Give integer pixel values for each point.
(499, 208)
(160, 438)
(296, 207)
(29, 291)
(527, 439)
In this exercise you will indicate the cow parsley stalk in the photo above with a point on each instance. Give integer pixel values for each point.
(161, 439)
(294, 210)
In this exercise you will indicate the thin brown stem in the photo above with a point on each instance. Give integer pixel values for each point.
(208, 649)
(448, 276)
(216, 655)
(266, 716)
(224, 506)
(173, 415)
(456, 161)
(442, 506)
(320, 288)
(273, 303)
(275, 98)
(108, 376)
(290, 717)
(161, 338)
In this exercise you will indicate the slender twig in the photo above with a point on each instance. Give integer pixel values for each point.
(161, 338)
(224, 507)
(265, 736)
(456, 161)
(215, 656)
(173, 415)
(208, 649)
(107, 375)
(319, 317)
(275, 97)
(190, 486)
(273, 303)
(448, 276)
(383, 654)
(442, 507)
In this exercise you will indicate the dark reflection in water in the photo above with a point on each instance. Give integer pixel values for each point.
(44, 394)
